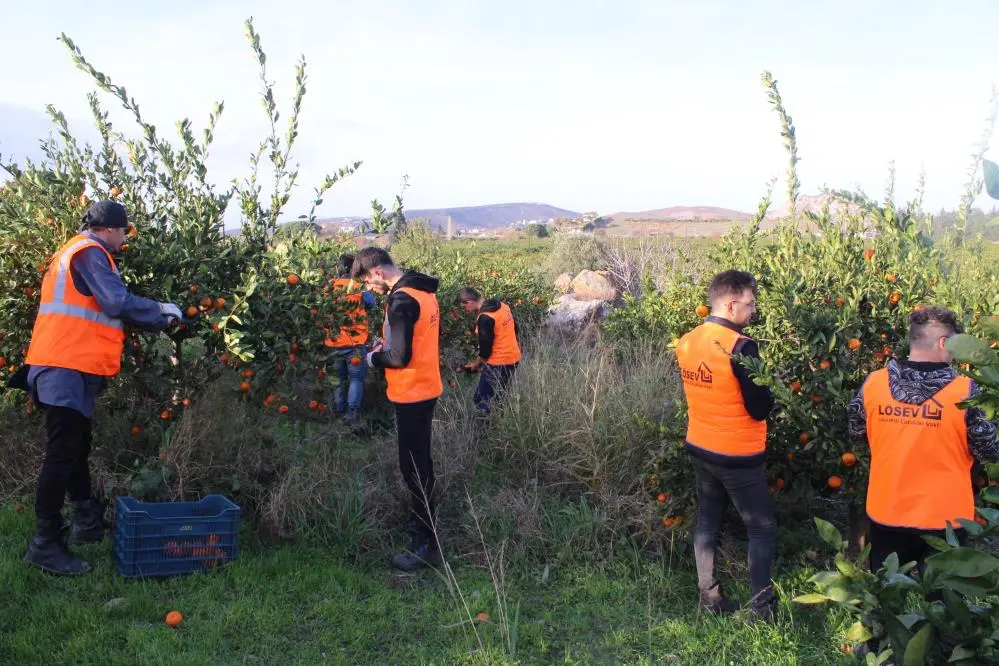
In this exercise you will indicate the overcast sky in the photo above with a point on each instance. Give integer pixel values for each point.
(587, 105)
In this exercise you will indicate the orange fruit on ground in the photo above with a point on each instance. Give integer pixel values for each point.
(313, 404)
(191, 312)
(18, 507)
(796, 387)
(869, 253)
(853, 344)
(165, 415)
(219, 303)
(136, 430)
(673, 521)
(482, 616)
(779, 483)
(293, 279)
(174, 618)
(834, 482)
(849, 459)
(804, 438)
(355, 360)
(825, 365)
(283, 409)
(702, 311)
(894, 297)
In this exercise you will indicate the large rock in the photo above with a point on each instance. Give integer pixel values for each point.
(570, 316)
(594, 286)
(563, 283)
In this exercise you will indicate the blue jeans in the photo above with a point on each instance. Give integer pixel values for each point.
(349, 393)
(493, 378)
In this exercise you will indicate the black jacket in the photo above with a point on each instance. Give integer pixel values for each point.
(487, 328)
(403, 311)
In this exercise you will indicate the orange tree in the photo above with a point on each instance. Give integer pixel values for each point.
(250, 298)
(835, 291)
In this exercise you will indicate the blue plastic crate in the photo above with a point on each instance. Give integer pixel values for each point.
(169, 538)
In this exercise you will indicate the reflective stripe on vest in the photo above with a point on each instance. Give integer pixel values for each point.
(717, 419)
(356, 331)
(506, 349)
(920, 462)
(421, 378)
(71, 331)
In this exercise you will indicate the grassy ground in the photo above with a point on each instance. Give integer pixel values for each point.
(303, 605)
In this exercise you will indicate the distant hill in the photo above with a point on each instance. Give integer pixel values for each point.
(490, 216)
(683, 214)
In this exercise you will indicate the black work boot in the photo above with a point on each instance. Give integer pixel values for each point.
(713, 600)
(47, 552)
(88, 522)
(423, 551)
(763, 606)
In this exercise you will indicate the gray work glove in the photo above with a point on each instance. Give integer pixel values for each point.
(171, 312)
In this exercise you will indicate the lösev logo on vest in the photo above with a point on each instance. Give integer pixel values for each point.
(927, 413)
(701, 376)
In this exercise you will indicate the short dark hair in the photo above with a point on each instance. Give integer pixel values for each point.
(344, 265)
(467, 294)
(367, 259)
(730, 283)
(926, 323)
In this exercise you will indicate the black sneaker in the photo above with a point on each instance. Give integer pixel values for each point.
(427, 554)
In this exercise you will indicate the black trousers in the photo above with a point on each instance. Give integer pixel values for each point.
(907, 544)
(65, 466)
(493, 378)
(414, 423)
(747, 489)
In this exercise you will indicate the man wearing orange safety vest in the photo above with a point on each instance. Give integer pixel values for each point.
(76, 344)
(499, 348)
(350, 342)
(922, 444)
(410, 356)
(726, 439)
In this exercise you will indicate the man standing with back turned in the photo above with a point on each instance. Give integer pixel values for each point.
(76, 344)
(726, 439)
(411, 359)
(922, 444)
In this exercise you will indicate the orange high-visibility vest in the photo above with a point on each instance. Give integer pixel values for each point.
(506, 349)
(355, 332)
(421, 378)
(71, 331)
(717, 419)
(920, 462)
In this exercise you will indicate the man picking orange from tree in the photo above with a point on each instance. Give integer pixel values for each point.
(726, 439)
(411, 360)
(76, 345)
(499, 348)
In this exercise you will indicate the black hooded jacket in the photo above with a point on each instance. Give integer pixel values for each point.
(403, 311)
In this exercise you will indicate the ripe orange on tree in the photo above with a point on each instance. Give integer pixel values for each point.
(825, 365)
(702, 311)
(834, 482)
(293, 279)
(244, 386)
(136, 430)
(191, 311)
(165, 415)
(804, 438)
(662, 498)
(780, 483)
(869, 253)
(283, 409)
(795, 387)
(313, 404)
(849, 459)
(219, 303)
(894, 297)
(853, 344)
